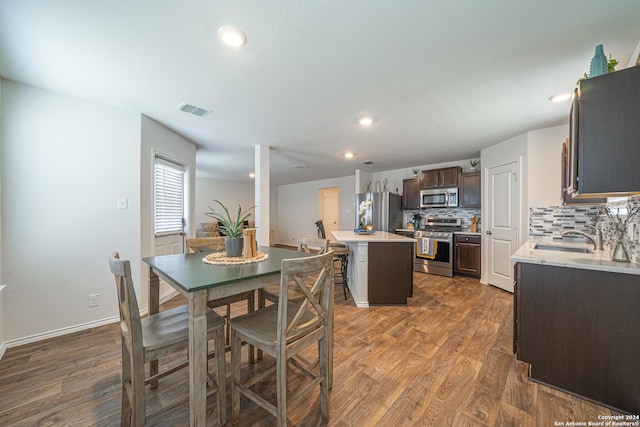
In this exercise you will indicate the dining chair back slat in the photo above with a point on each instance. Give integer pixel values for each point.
(145, 340)
(298, 324)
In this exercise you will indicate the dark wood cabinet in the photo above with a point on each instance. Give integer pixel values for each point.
(470, 190)
(390, 272)
(411, 193)
(605, 143)
(467, 254)
(440, 178)
(578, 330)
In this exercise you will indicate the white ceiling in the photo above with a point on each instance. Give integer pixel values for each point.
(442, 78)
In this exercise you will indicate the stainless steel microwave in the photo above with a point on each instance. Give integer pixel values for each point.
(439, 198)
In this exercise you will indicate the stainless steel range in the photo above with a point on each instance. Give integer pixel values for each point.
(434, 246)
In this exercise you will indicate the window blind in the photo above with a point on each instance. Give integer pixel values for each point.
(168, 197)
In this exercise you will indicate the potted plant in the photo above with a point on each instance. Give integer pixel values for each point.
(415, 172)
(474, 165)
(231, 227)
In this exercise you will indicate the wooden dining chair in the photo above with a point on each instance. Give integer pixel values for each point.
(151, 338)
(305, 244)
(340, 255)
(285, 329)
(216, 244)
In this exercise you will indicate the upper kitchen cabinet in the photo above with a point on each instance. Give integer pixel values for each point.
(566, 198)
(605, 130)
(470, 190)
(440, 178)
(411, 193)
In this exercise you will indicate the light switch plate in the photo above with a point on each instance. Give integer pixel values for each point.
(123, 203)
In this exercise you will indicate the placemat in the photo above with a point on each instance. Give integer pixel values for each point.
(221, 258)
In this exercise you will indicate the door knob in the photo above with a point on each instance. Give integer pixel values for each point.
(488, 232)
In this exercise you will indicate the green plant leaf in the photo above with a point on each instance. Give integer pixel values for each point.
(229, 226)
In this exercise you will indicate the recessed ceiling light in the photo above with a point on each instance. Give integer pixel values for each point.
(348, 155)
(365, 121)
(561, 97)
(232, 36)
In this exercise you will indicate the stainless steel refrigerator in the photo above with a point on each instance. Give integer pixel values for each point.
(383, 211)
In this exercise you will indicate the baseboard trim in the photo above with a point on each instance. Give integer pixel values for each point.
(71, 329)
(60, 332)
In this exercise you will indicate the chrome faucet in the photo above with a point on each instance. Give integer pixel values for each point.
(596, 238)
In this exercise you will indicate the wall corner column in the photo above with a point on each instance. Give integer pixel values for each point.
(262, 190)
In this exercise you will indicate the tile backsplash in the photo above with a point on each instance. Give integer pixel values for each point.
(466, 215)
(550, 221)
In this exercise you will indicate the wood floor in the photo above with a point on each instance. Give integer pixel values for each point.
(443, 360)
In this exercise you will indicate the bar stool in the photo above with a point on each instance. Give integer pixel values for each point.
(340, 254)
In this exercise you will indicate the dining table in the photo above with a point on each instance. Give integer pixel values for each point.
(200, 282)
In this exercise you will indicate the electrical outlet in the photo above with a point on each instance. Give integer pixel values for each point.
(94, 300)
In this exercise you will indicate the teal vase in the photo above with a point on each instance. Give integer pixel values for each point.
(599, 64)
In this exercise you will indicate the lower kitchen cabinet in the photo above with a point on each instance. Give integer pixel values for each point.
(390, 273)
(578, 329)
(467, 254)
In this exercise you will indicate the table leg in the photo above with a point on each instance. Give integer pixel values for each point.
(154, 307)
(198, 358)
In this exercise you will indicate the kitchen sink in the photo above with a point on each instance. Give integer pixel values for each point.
(562, 248)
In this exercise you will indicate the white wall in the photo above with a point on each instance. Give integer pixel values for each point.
(157, 139)
(298, 208)
(65, 162)
(231, 193)
(2, 335)
(544, 148)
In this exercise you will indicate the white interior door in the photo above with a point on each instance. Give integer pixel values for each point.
(329, 210)
(502, 226)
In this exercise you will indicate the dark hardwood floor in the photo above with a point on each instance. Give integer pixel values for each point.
(445, 359)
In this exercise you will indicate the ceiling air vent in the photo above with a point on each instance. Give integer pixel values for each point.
(192, 109)
(367, 162)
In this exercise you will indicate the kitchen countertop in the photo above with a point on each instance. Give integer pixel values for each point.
(404, 230)
(597, 260)
(378, 236)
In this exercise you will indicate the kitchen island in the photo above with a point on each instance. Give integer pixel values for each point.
(380, 267)
(576, 317)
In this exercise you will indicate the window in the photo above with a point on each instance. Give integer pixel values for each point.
(168, 203)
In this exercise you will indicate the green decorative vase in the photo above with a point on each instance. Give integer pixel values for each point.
(599, 65)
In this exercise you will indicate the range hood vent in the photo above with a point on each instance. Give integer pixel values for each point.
(192, 109)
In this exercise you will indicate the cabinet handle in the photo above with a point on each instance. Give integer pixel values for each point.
(488, 231)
